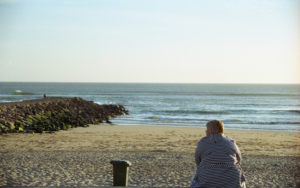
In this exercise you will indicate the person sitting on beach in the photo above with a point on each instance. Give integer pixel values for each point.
(218, 160)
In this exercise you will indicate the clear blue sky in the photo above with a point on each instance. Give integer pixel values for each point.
(186, 41)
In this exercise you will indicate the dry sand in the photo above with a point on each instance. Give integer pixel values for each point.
(160, 156)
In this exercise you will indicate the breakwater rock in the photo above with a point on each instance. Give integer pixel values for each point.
(53, 114)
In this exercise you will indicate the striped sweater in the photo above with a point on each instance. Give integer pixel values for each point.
(218, 161)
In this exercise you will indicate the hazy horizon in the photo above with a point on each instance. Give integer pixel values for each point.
(219, 83)
(136, 41)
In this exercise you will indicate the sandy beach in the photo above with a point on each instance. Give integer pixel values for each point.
(161, 156)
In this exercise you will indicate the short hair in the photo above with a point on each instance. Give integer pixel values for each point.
(215, 126)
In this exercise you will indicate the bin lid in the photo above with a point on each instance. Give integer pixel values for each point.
(120, 162)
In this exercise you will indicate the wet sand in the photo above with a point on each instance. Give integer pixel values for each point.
(160, 156)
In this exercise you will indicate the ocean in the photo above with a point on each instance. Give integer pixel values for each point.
(266, 107)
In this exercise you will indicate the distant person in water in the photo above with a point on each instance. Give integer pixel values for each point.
(218, 160)
(45, 96)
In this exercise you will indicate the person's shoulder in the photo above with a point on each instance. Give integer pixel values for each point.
(204, 139)
(229, 139)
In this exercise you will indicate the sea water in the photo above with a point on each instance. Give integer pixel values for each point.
(239, 106)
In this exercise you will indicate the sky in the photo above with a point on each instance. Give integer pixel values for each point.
(156, 41)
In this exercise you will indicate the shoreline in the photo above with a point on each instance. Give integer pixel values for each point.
(161, 156)
(194, 126)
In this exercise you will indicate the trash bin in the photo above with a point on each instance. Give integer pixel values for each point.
(120, 172)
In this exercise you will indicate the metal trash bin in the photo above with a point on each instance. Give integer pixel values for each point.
(120, 172)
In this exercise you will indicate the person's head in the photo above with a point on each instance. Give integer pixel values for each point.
(214, 127)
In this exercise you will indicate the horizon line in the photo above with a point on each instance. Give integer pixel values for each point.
(250, 83)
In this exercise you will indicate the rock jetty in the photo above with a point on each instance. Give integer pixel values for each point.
(53, 114)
